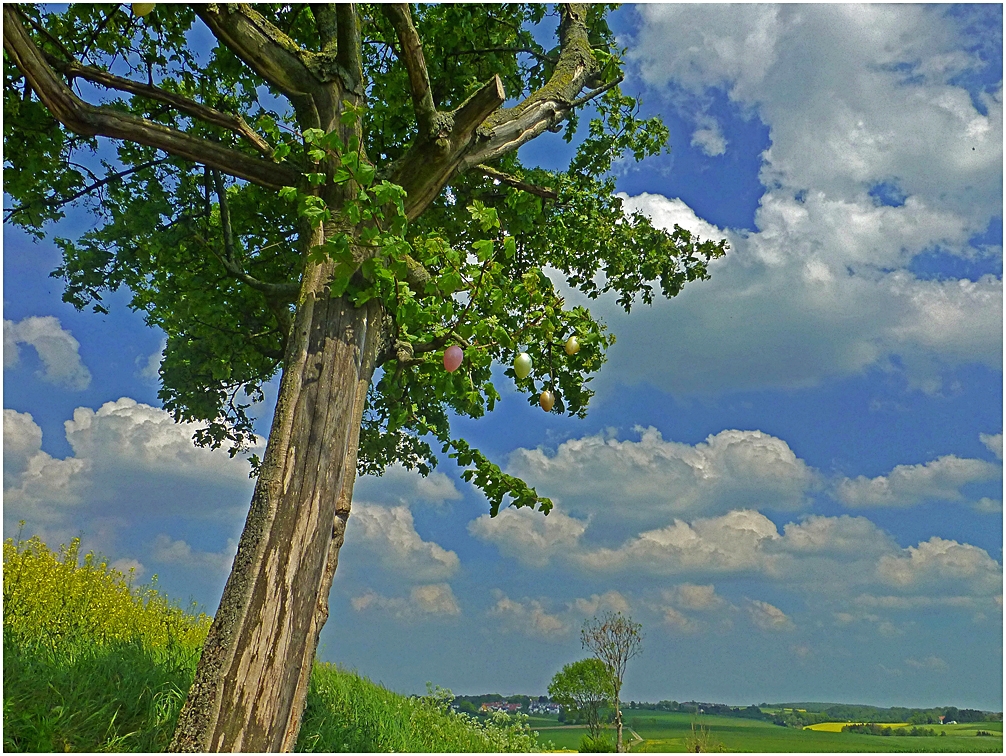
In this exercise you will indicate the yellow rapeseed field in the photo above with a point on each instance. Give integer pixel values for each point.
(837, 726)
(51, 600)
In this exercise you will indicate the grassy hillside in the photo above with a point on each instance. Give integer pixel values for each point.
(92, 664)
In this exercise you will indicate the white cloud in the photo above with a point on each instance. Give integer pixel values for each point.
(907, 485)
(129, 460)
(933, 663)
(151, 369)
(528, 536)
(769, 617)
(734, 542)
(653, 477)
(989, 505)
(528, 616)
(390, 534)
(678, 621)
(709, 138)
(994, 443)
(56, 347)
(853, 96)
(608, 601)
(405, 486)
(943, 566)
(831, 558)
(700, 598)
(179, 554)
(838, 536)
(423, 601)
(37, 486)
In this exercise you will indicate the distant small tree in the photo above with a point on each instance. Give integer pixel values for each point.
(583, 686)
(614, 639)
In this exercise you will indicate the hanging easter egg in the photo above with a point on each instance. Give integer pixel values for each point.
(142, 9)
(546, 400)
(452, 358)
(572, 345)
(522, 365)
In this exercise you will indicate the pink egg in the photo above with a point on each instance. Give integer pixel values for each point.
(452, 358)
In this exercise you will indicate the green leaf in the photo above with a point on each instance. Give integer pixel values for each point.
(483, 249)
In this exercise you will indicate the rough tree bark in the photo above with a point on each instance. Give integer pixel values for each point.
(252, 678)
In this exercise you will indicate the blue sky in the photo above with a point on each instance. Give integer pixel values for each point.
(791, 474)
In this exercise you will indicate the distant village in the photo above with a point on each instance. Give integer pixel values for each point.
(508, 705)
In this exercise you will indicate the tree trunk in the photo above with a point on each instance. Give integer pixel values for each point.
(619, 745)
(252, 679)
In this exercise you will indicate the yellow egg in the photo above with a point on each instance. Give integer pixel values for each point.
(546, 400)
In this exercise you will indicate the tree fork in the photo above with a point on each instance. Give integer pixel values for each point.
(252, 678)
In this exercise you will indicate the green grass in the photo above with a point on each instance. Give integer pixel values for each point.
(92, 664)
(668, 731)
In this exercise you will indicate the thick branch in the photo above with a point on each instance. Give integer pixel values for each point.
(510, 128)
(184, 104)
(479, 135)
(325, 23)
(415, 63)
(269, 52)
(348, 55)
(430, 164)
(82, 118)
(506, 178)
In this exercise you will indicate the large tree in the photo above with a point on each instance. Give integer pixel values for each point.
(332, 193)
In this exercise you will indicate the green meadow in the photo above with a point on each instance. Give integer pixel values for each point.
(670, 732)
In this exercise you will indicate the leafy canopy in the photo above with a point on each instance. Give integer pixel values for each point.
(215, 262)
(583, 686)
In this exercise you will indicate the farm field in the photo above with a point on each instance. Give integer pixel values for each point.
(668, 732)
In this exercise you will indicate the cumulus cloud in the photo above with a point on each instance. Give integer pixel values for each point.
(689, 597)
(653, 476)
(842, 535)
(405, 486)
(128, 459)
(609, 601)
(943, 566)
(423, 601)
(678, 621)
(994, 443)
(988, 505)
(733, 542)
(700, 598)
(56, 347)
(179, 554)
(532, 617)
(528, 536)
(709, 138)
(37, 486)
(833, 558)
(390, 534)
(854, 97)
(528, 616)
(150, 370)
(768, 617)
(907, 485)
